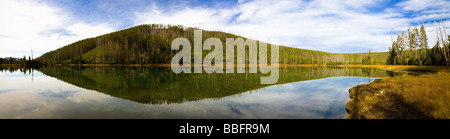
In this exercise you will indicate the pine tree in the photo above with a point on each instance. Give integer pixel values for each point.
(423, 46)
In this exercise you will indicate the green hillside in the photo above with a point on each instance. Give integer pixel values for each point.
(150, 44)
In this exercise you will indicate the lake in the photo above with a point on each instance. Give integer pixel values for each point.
(150, 92)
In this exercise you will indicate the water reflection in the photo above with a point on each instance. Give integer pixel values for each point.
(161, 86)
(124, 92)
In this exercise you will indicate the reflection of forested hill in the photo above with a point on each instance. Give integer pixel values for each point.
(161, 85)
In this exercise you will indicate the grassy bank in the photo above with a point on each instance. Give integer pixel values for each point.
(425, 96)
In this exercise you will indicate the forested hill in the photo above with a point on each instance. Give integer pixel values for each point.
(150, 44)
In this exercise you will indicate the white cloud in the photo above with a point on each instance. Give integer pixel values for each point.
(26, 24)
(326, 25)
(426, 12)
(419, 5)
(333, 26)
(208, 18)
(319, 25)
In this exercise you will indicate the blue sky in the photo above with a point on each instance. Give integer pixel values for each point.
(327, 25)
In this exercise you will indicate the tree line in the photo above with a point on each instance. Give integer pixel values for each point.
(24, 61)
(150, 44)
(143, 44)
(411, 48)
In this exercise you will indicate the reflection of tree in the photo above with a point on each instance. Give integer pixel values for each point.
(162, 86)
(24, 70)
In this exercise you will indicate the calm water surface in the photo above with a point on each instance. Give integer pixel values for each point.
(124, 92)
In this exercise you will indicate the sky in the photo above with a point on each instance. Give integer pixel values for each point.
(344, 26)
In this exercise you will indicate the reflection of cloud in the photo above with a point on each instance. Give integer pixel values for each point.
(5, 36)
(27, 100)
(6, 90)
(58, 94)
(323, 98)
(235, 109)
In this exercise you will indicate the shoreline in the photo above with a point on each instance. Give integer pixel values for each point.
(401, 97)
(426, 96)
(395, 68)
(388, 67)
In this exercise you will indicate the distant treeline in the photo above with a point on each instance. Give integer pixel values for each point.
(151, 44)
(411, 48)
(19, 61)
